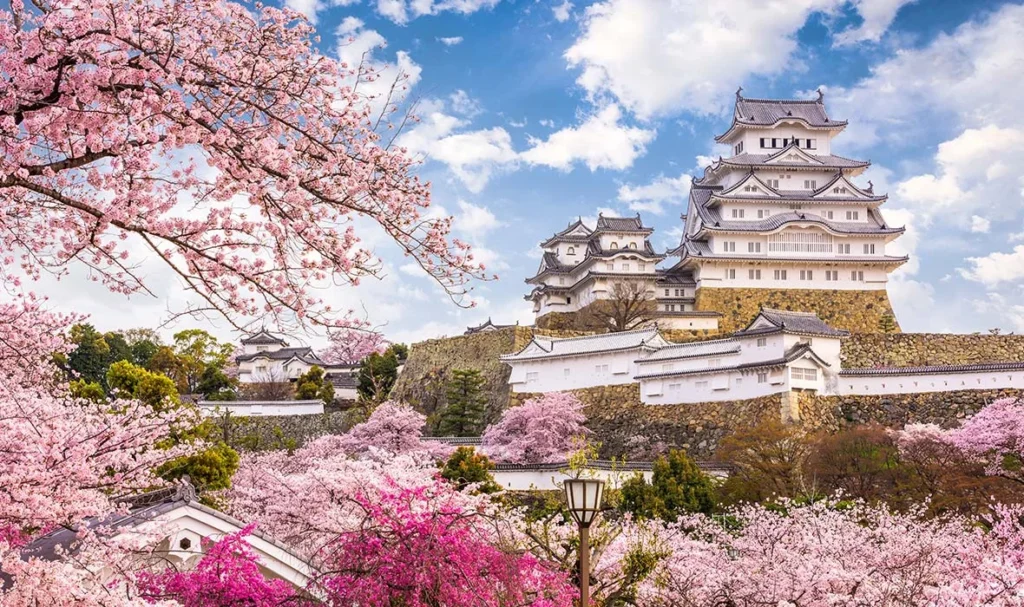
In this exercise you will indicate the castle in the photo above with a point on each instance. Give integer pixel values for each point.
(779, 223)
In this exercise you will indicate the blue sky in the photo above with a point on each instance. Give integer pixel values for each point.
(534, 112)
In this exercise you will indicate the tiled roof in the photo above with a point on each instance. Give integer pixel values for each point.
(794, 353)
(263, 338)
(713, 221)
(606, 465)
(344, 381)
(594, 250)
(621, 224)
(572, 346)
(486, 325)
(927, 370)
(692, 350)
(676, 278)
(767, 112)
(305, 354)
(827, 161)
(455, 441)
(803, 323)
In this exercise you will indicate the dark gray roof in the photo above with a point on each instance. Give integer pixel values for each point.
(803, 323)
(561, 236)
(303, 353)
(927, 370)
(594, 250)
(455, 441)
(486, 326)
(621, 224)
(874, 225)
(827, 161)
(767, 112)
(263, 338)
(345, 381)
(676, 278)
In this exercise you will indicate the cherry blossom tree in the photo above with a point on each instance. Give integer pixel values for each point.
(421, 547)
(351, 345)
(823, 555)
(392, 429)
(213, 136)
(227, 574)
(540, 430)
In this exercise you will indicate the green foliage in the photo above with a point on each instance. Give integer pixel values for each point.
(467, 403)
(89, 390)
(118, 347)
(312, 385)
(214, 384)
(208, 470)
(196, 350)
(89, 358)
(127, 380)
(401, 351)
(677, 486)
(377, 375)
(466, 467)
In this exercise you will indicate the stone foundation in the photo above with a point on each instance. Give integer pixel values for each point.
(862, 350)
(856, 311)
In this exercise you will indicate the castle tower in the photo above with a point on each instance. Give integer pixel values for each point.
(781, 223)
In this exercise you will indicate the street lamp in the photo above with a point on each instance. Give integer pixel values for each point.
(584, 498)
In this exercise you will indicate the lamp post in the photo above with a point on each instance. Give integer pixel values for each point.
(584, 498)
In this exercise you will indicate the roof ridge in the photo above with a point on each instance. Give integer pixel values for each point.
(766, 100)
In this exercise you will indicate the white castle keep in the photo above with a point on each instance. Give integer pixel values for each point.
(782, 212)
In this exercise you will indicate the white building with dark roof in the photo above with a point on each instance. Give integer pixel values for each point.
(266, 358)
(580, 266)
(778, 352)
(783, 211)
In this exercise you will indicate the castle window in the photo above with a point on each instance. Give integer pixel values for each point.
(568, 300)
(762, 378)
(565, 372)
(739, 147)
(571, 251)
(737, 213)
(762, 342)
(666, 367)
(763, 143)
(810, 184)
(680, 292)
(729, 246)
(831, 275)
(600, 369)
(852, 215)
(715, 362)
(262, 348)
(641, 267)
(667, 291)
(780, 274)
(730, 274)
(869, 249)
(773, 183)
(561, 280)
(754, 274)
(625, 267)
(763, 213)
(844, 249)
(532, 378)
(609, 267)
(810, 144)
(804, 374)
(826, 214)
(857, 275)
(615, 245)
(701, 385)
(753, 247)
(806, 274)
(674, 387)
(632, 245)
(800, 242)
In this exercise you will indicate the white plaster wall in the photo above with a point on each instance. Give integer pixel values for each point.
(252, 409)
(582, 372)
(732, 385)
(622, 240)
(551, 480)
(682, 322)
(752, 138)
(913, 384)
(714, 274)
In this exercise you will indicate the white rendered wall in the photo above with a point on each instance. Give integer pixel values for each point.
(721, 386)
(551, 480)
(574, 372)
(239, 408)
(715, 275)
(752, 138)
(914, 384)
(682, 322)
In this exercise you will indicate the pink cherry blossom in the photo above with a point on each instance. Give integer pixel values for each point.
(352, 345)
(540, 430)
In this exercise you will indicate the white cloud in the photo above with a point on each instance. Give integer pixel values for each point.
(600, 142)
(996, 267)
(548, 123)
(562, 11)
(658, 57)
(475, 219)
(980, 225)
(451, 41)
(402, 11)
(517, 124)
(472, 156)
(653, 196)
(464, 105)
(876, 17)
(359, 46)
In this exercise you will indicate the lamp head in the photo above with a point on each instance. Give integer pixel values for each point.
(583, 495)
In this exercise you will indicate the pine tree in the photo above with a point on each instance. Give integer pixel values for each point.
(312, 385)
(677, 486)
(466, 404)
(887, 324)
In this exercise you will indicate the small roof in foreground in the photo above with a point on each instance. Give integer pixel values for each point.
(547, 347)
(770, 320)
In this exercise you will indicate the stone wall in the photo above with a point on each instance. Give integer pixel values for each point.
(857, 311)
(623, 425)
(918, 349)
(896, 410)
(280, 432)
(430, 363)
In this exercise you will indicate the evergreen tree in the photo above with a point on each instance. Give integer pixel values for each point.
(887, 323)
(677, 486)
(466, 467)
(214, 384)
(377, 375)
(89, 358)
(312, 385)
(466, 404)
(118, 348)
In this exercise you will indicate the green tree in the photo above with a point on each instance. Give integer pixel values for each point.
(88, 361)
(887, 323)
(677, 486)
(196, 350)
(466, 467)
(377, 375)
(119, 348)
(312, 385)
(401, 351)
(144, 343)
(467, 403)
(80, 388)
(216, 385)
(211, 468)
